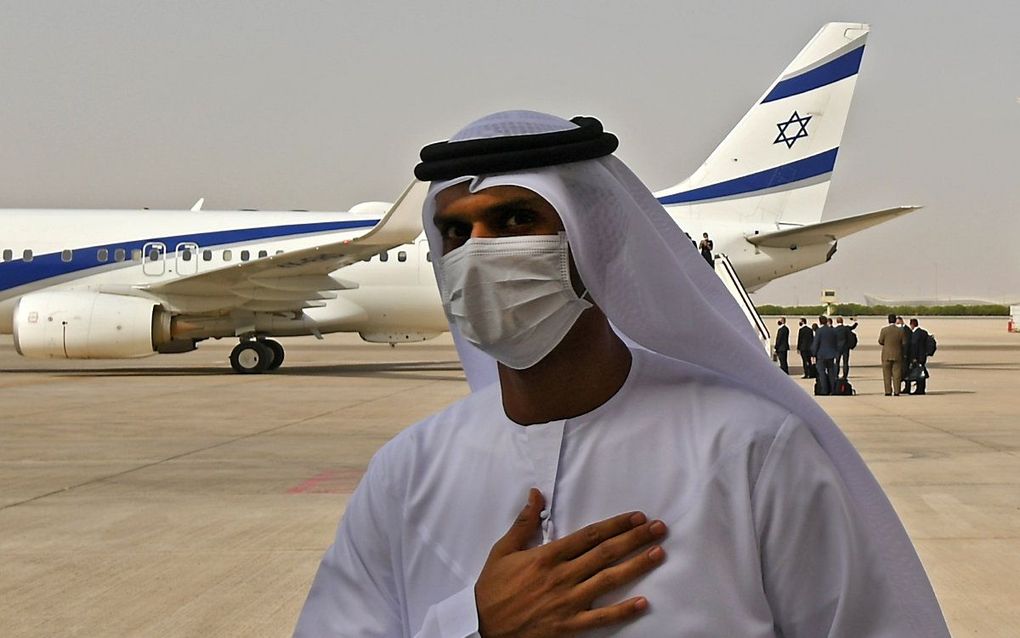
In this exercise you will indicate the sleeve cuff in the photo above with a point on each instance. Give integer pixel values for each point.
(458, 615)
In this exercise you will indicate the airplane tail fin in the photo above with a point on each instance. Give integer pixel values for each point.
(775, 165)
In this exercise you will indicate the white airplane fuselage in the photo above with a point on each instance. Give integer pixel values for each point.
(755, 265)
(74, 250)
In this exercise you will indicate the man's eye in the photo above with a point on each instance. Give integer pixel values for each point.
(517, 218)
(455, 231)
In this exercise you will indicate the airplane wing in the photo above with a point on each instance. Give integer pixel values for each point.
(825, 232)
(295, 279)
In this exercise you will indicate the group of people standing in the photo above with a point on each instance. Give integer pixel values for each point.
(825, 347)
(905, 352)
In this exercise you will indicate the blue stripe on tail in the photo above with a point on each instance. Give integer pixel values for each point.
(749, 184)
(833, 71)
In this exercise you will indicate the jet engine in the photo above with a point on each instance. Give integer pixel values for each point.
(89, 325)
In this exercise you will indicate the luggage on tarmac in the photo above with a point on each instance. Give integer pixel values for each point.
(844, 388)
(918, 372)
(819, 390)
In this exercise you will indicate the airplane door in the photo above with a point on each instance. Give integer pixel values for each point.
(154, 258)
(425, 272)
(187, 258)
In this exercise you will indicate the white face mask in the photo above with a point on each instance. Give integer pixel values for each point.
(511, 296)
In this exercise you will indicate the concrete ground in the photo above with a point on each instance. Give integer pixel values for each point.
(170, 497)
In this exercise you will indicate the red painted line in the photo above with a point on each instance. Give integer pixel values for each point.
(336, 481)
(311, 484)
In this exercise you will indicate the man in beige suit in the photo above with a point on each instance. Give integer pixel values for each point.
(894, 344)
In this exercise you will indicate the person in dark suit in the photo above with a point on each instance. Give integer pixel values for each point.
(893, 341)
(783, 345)
(706, 247)
(825, 349)
(918, 357)
(843, 343)
(905, 365)
(804, 339)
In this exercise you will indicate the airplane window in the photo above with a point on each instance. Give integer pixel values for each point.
(263, 253)
(428, 256)
(154, 254)
(384, 256)
(66, 255)
(8, 254)
(402, 255)
(207, 255)
(279, 252)
(119, 255)
(185, 254)
(136, 254)
(227, 255)
(102, 255)
(245, 255)
(27, 255)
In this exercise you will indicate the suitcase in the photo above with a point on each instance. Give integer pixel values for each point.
(844, 388)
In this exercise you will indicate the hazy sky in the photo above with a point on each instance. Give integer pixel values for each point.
(321, 105)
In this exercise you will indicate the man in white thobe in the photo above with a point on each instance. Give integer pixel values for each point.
(663, 492)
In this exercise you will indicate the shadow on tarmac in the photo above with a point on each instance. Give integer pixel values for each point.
(396, 370)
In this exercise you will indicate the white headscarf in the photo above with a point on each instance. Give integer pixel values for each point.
(645, 274)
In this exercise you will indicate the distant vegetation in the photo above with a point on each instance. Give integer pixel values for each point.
(860, 310)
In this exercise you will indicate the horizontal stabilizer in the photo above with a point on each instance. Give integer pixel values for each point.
(825, 232)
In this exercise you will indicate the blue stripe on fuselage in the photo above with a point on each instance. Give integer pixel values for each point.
(19, 272)
(833, 71)
(748, 184)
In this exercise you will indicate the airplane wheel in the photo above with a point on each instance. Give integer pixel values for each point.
(251, 357)
(278, 353)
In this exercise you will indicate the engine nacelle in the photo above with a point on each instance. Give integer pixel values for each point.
(88, 325)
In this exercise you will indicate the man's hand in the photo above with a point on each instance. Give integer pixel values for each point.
(548, 590)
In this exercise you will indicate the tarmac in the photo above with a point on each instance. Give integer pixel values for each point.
(170, 497)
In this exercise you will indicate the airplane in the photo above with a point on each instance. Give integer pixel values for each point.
(125, 283)
(761, 193)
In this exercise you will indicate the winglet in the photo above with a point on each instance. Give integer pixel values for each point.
(198, 204)
(402, 222)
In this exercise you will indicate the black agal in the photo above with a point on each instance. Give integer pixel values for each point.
(446, 160)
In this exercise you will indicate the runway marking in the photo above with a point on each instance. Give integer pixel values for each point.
(174, 457)
(329, 482)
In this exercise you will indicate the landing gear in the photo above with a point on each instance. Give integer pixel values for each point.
(277, 350)
(251, 357)
(256, 356)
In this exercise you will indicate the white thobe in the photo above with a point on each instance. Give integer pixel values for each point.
(763, 540)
